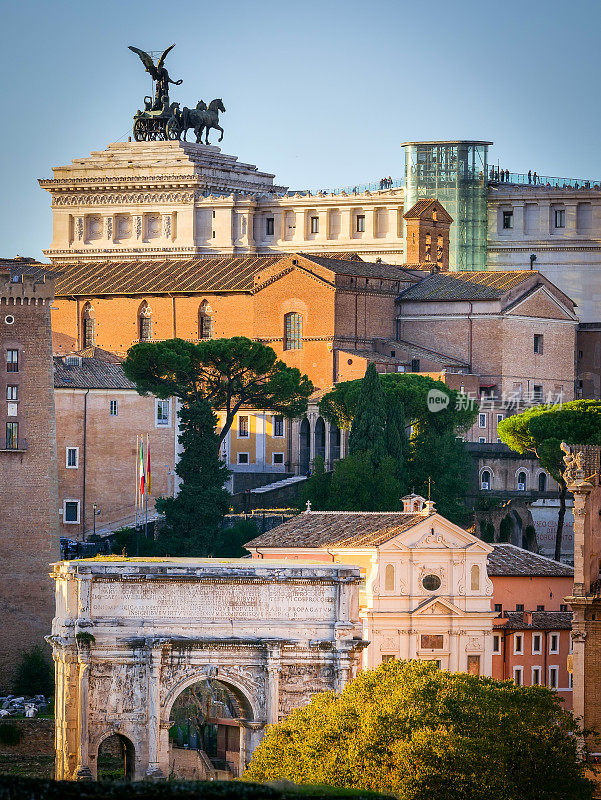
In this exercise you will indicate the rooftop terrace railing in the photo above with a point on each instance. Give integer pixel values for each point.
(500, 177)
(383, 185)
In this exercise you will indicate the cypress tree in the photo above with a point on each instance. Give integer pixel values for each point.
(368, 431)
(192, 518)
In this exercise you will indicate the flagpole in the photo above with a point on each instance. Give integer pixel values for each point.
(136, 486)
(138, 481)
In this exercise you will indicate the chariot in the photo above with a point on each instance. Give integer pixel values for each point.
(160, 124)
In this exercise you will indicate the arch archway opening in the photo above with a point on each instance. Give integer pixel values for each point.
(320, 438)
(116, 759)
(207, 738)
(304, 447)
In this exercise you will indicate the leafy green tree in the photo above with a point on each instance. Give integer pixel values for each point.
(540, 430)
(359, 485)
(433, 452)
(316, 489)
(227, 373)
(418, 732)
(34, 674)
(441, 465)
(192, 518)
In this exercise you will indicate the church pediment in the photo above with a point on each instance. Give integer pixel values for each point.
(285, 267)
(437, 533)
(437, 606)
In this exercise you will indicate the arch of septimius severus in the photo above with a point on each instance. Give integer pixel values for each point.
(130, 636)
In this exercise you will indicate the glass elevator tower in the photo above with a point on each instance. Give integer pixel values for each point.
(456, 174)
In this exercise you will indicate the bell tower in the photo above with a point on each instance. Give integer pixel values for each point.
(427, 231)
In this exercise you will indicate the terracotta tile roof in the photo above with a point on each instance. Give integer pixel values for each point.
(416, 211)
(199, 274)
(541, 620)
(348, 256)
(480, 285)
(99, 353)
(337, 529)
(92, 373)
(509, 560)
(363, 269)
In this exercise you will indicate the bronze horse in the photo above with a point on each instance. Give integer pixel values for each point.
(202, 119)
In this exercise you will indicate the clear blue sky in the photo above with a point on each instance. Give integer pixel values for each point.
(319, 92)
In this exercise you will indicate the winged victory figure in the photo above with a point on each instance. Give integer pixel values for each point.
(158, 74)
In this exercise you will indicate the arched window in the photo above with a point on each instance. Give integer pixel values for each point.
(542, 482)
(145, 322)
(293, 331)
(88, 326)
(205, 321)
(521, 481)
(475, 578)
(485, 481)
(389, 578)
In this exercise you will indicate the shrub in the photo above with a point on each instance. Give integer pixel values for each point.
(34, 674)
(10, 734)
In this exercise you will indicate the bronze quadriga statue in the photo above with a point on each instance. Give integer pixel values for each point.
(162, 120)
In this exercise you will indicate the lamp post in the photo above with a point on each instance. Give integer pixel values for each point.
(95, 511)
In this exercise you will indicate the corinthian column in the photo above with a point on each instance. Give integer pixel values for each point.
(154, 770)
(82, 771)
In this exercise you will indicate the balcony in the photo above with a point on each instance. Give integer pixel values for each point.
(13, 445)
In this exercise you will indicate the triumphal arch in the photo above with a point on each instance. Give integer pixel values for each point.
(130, 636)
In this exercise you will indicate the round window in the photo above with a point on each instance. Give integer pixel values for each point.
(9, 319)
(431, 582)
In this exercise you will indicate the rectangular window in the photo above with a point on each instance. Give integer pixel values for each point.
(12, 360)
(496, 644)
(563, 606)
(481, 440)
(499, 418)
(554, 643)
(387, 657)
(518, 676)
(360, 223)
(277, 458)
(537, 394)
(71, 512)
(11, 409)
(113, 408)
(507, 220)
(482, 420)
(243, 458)
(538, 343)
(570, 644)
(536, 644)
(518, 644)
(12, 435)
(269, 226)
(570, 681)
(314, 224)
(162, 412)
(498, 608)
(540, 608)
(519, 606)
(72, 458)
(278, 425)
(293, 331)
(243, 428)
(553, 677)
(536, 676)
(12, 392)
(560, 218)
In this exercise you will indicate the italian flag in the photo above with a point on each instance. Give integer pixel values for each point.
(141, 468)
